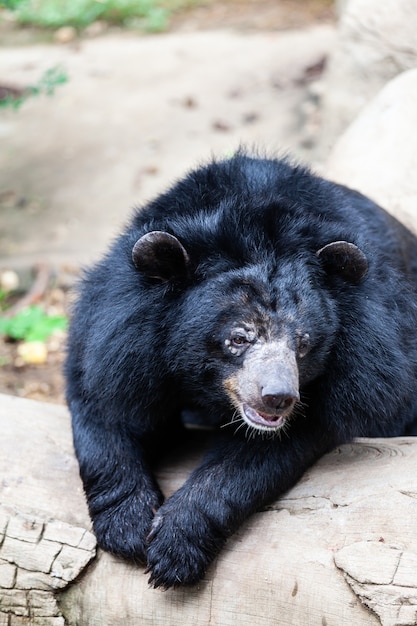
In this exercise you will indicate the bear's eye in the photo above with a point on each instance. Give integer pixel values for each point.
(303, 345)
(238, 340)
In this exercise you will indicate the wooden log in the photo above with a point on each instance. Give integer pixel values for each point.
(339, 549)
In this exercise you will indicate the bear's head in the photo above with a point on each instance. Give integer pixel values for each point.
(250, 338)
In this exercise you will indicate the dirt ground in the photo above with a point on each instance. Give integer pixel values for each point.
(44, 381)
(253, 15)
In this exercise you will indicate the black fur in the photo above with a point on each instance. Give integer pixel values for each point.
(155, 334)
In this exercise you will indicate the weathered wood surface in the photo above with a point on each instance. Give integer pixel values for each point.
(340, 549)
(45, 538)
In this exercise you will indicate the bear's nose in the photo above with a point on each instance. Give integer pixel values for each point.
(278, 401)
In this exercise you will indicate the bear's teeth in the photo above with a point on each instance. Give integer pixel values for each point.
(257, 419)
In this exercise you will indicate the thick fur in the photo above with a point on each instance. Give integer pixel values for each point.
(152, 337)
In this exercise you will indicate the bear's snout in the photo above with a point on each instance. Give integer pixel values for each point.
(266, 388)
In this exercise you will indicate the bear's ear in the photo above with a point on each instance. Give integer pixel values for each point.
(161, 256)
(345, 259)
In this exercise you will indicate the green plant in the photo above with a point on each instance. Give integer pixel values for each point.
(46, 85)
(31, 324)
(10, 4)
(3, 296)
(151, 15)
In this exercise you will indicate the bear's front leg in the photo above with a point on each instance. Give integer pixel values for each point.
(236, 478)
(123, 517)
(122, 494)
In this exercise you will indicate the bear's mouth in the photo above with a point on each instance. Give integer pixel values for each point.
(261, 420)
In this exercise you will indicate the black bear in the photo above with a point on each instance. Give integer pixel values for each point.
(279, 307)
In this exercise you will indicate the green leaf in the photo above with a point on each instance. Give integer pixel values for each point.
(31, 324)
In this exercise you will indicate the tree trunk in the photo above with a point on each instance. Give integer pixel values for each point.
(339, 549)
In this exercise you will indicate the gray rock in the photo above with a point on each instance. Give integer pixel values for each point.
(377, 155)
(377, 41)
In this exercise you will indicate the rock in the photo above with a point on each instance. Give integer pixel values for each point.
(377, 40)
(65, 34)
(9, 280)
(33, 352)
(377, 154)
(95, 29)
(340, 6)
